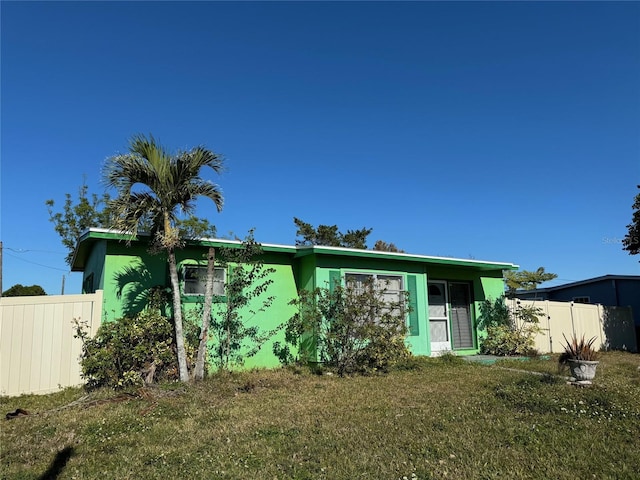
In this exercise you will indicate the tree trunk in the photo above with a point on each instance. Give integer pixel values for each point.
(177, 317)
(206, 315)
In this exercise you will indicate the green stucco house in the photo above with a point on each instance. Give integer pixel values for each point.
(444, 292)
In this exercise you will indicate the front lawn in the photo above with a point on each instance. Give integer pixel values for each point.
(440, 419)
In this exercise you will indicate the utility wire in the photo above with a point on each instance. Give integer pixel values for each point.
(39, 264)
(25, 250)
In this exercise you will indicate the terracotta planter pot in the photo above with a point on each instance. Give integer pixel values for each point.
(583, 370)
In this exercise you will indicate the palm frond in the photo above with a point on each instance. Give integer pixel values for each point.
(131, 211)
(152, 185)
(122, 172)
(149, 148)
(209, 190)
(200, 157)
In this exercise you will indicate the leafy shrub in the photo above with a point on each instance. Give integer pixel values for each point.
(348, 328)
(494, 314)
(385, 350)
(299, 340)
(508, 332)
(502, 340)
(129, 351)
(246, 291)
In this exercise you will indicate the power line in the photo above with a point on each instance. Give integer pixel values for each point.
(26, 250)
(36, 263)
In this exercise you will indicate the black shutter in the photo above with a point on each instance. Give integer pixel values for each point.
(414, 328)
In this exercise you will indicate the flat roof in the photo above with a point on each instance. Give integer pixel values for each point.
(577, 283)
(304, 250)
(96, 234)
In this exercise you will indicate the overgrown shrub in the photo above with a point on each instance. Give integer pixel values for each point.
(246, 292)
(503, 341)
(350, 329)
(508, 332)
(129, 351)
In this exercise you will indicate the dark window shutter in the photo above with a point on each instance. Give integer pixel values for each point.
(334, 279)
(229, 273)
(414, 328)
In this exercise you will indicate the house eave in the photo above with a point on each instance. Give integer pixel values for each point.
(96, 234)
(396, 256)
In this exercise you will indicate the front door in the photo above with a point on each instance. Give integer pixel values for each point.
(461, 325)
(438, 318)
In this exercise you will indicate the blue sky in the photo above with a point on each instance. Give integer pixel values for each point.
(500, 131)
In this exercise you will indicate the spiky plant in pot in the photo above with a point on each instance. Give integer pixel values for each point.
(581, 357)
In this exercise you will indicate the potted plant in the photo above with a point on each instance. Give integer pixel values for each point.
(581, 357)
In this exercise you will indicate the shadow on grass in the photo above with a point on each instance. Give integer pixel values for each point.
(58, 464)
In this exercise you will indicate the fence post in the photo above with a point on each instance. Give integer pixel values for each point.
(573, 327)
(546, 313)
(603, 336)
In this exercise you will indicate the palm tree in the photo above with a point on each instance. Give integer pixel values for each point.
(153, 188)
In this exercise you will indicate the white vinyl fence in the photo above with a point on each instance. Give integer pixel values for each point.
(38, 351)
(612, 327)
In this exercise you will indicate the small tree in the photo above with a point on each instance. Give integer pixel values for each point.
(99, 211)
(154, 187)
(76, 217)
(19, 290)
(201, 359)
(355, 329)
(526, 280)
(94, 211)
(509, 332)
(631, 241)
(329, 235)
(383, 246)
(248, 281)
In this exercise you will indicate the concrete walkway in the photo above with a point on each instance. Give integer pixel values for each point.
(491, 359)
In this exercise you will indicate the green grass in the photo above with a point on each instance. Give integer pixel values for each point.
(439, 419)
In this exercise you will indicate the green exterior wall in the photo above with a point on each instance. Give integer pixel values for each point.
(126, 271)
(129, 272)
(95, 267)
(483, 284)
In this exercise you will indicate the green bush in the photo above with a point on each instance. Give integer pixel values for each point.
(386, 349)
(246, 292)
(502, 340)
(494, 314)
(508, 332)
(129, 351)
(349, 329)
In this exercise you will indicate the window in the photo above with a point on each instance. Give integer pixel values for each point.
(581, 299)
(195, 279)
(391, 285)
(437, 300)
